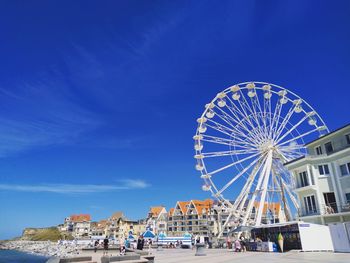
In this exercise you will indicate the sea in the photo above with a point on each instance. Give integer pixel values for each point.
(14, 256)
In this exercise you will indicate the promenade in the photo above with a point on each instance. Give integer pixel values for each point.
(223, 256)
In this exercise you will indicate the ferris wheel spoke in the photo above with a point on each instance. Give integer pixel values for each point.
(257, 108)
(232, 164)
(284, 122)
(234, 108)
(227, 153)
(226, 117)
(275, 118)
(223, 141)
(227, 131)
(234, 127)
(293, 147)
(294, 127)
(298, 137)
(240, 120)
(239, 175)
(244, 104)
(245, 107)
(290, 152)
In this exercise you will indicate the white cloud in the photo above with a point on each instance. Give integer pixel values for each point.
(127, 184)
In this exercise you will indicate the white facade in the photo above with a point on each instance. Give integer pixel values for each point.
(81, 229)
(322, 179)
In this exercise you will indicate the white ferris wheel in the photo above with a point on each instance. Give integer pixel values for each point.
(244, 136)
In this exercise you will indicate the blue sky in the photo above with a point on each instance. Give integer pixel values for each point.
(99, 99)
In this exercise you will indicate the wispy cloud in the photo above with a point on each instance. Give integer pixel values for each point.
(122, 185)
(40, 113)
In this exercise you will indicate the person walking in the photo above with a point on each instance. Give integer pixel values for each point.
(237, 245)
(123, 246)
(97, 242)
(149, 242)
(140, 243)
(105, 246)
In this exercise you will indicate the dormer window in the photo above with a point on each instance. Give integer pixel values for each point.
(329, 147)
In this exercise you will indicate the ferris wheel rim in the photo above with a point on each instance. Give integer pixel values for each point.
(207, 176)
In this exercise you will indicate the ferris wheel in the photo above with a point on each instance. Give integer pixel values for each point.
(244, 137)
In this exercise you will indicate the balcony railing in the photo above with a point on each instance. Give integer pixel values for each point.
(328, 209)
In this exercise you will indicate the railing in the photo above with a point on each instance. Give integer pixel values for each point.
(326, 209)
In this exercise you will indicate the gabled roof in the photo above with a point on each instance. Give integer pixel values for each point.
(156, 210)
(183, 206)
(202, 205)
(117, 215)
(101, 224)
(171, 211)
(80, 218)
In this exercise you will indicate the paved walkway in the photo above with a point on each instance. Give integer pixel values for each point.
(223, 256)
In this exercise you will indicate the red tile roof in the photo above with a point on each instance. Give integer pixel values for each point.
(80, 218)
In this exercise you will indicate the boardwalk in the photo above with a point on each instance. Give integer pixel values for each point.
(223, 256)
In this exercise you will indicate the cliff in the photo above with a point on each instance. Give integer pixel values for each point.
(43, 234)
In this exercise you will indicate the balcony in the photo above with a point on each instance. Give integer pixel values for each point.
(330, 209)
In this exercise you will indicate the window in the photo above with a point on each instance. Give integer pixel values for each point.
(345, 169)
(323, 169)
(310, 204)
(304, 181)
(347, 136)
(318, 150)
(347, 195)
(329, 147)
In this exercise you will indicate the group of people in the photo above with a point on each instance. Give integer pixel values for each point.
(105, 243)
(177, 244)
(239, 245)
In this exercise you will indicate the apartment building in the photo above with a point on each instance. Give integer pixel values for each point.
(191, 216)
(157, 219)
(78, 225)
(322, 178)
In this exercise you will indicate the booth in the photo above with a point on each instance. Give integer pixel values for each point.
(340, 233)
(296, 235)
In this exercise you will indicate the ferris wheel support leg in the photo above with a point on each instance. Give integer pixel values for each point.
(225, 224)
(252, 200)
(264, 189)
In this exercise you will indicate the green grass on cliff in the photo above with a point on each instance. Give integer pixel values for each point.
(52, 234)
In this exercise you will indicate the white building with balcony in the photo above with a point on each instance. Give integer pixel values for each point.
(322, 178)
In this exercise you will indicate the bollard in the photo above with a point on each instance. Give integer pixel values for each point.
(200, 249)
(160, 247)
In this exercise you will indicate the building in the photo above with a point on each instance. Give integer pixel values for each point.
(78, 225)
(98, 229)
(322, 178)
(124, 226)
(157, 219)
(191, 216)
